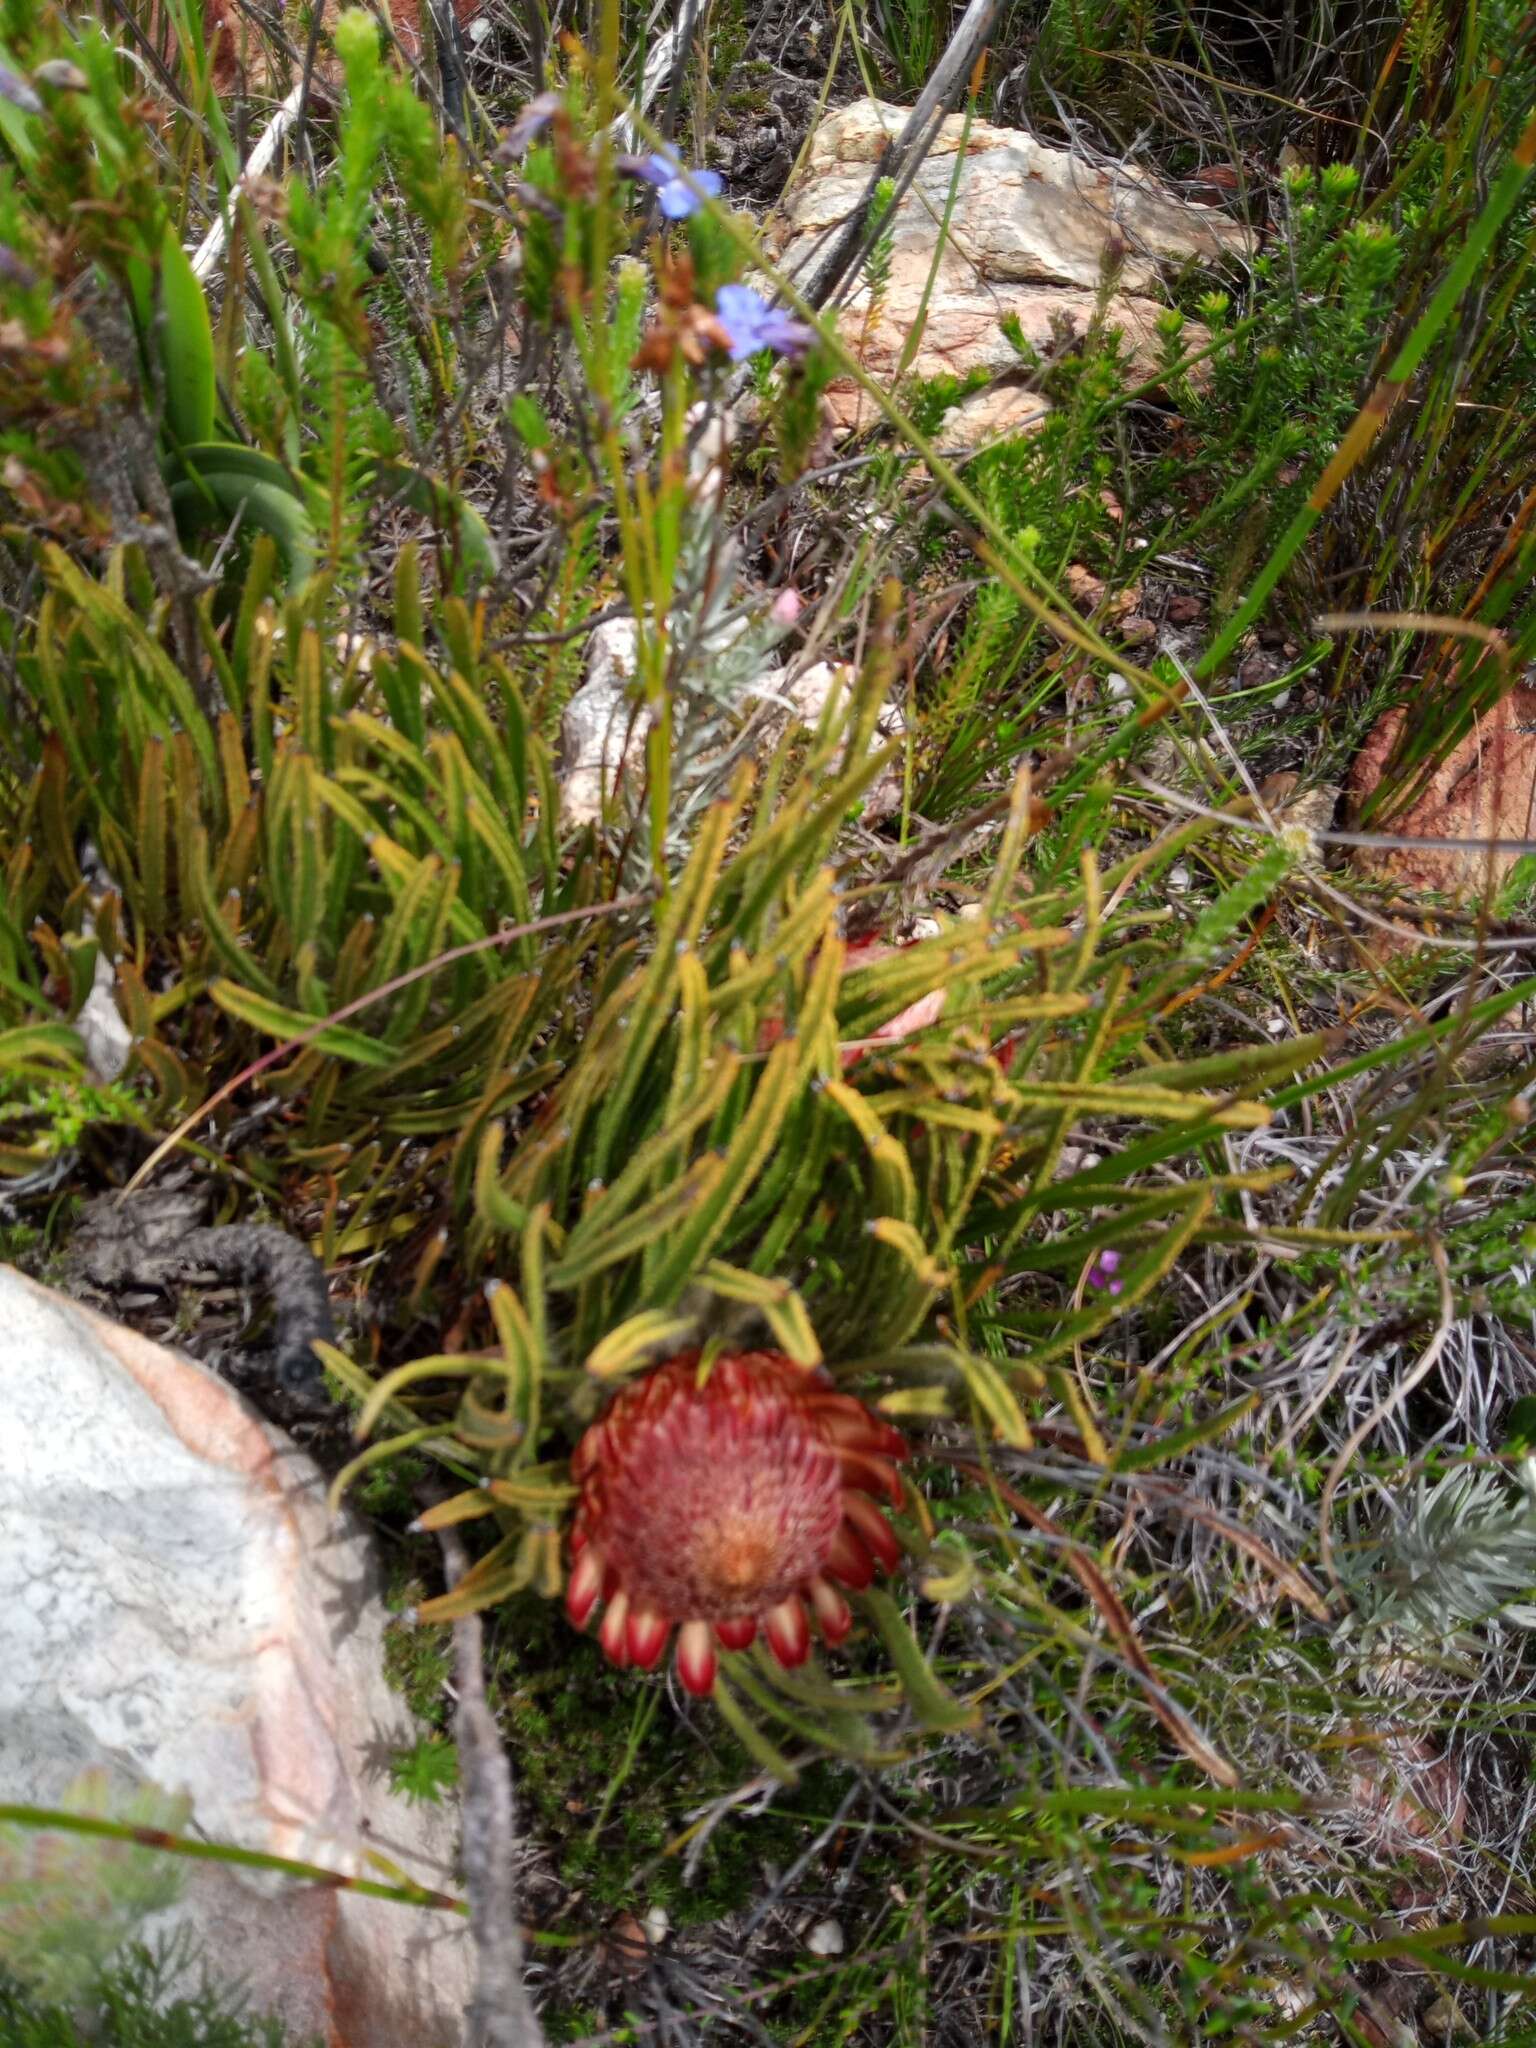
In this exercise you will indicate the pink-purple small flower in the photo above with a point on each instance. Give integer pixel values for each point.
(753, 324)
(1102, 1272)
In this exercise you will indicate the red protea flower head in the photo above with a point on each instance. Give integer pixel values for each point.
(723, 1508)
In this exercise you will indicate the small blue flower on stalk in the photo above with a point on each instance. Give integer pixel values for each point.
(1103, 1270)
(679, 192)
(753, 324)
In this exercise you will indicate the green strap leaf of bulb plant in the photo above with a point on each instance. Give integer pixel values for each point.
(224, 481)
(452, 514)
(185, 337)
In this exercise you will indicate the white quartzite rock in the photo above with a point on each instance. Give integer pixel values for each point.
(181, 1607)
(604, 725)
(603, 728)
(1027, 237)
(831, 682)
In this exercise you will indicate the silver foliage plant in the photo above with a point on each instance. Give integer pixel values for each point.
(1450, 1554)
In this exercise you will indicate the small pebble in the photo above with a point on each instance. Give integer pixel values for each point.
(1276, 1027)
(825, 1939)
(1178, 877)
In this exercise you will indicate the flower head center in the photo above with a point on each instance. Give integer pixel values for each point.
(740, 1554)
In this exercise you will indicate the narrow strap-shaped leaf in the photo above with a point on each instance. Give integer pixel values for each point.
(802, 929)
(499, 1211)
(989, 1387)
(1015, 836)
(152, 834)
(41, 1052)
(635, 1342)
(692, 1033)
(842, 1729)
(651, 1013)
(113, 626)
(1110, 1099)
(641, 1227)
(185, 338)
(675, 1262)
(1244, 1066)
(1138, 1278)
(378, 1453)
(533, 1491)
(810, 1141)
(503, 1571)
(445, 1366)
(519, 1343)
(473, 1505)
(240, 963)
(277, 1021)
(751, 1737)
(660, 1157)
(894, 1191)
(782, 1309)
(935, 1707)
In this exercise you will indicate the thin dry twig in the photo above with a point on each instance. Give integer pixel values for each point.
(900, 159)
(501, 2014)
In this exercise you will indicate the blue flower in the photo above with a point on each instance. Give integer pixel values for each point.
(679, 192)
(753, 324)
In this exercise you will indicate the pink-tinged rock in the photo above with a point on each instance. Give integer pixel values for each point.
(1027, 237)
(1484, 789)
(180, 1607)
(998, 413)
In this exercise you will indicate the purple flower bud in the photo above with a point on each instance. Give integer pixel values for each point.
(753, 324)
(18, 92)
(534, 116)
(14, 271)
